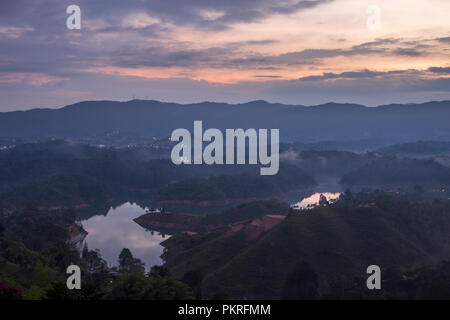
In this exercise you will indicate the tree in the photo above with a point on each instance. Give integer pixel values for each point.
(62, 255)
(194, 279)
(302, 284)
(159, 271)
(138, 286)
(128, 263)
(347, 195)
(220, 296)
(58, 291)
(85, 252)
(323, 201)
(125, 259)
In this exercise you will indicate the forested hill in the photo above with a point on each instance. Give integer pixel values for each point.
(148, 118)
(324, 253)
(418, 149)
(393, 171)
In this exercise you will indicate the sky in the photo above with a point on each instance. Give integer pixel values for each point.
(304, 52)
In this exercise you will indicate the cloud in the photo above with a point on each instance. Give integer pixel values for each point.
(408, 52)
(383, 89)
(217, 14)
(366, 74)
(440, 70)
(138, 34)
(267, 76)
(184, 41)
(14, 32)
(211, 15)
(444, 39)
(378, 43)
(139, 21)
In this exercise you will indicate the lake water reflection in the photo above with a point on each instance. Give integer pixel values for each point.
(117, 230)
(313, 200)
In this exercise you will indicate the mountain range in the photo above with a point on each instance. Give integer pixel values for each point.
(394, 123)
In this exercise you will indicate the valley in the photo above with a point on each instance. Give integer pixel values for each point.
(307, 232)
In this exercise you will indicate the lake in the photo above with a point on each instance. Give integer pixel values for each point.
(117, 230)
(313, 200)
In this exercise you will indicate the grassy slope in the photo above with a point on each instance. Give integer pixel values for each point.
(332, 241)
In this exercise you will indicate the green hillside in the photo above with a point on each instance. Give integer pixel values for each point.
(58, 190)
(394, 171)
(335, 244)
(238, 186)
(418, 148)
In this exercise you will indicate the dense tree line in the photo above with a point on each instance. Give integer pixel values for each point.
(34, 255)
(244, 185)
(323, 253)
(395, 171)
